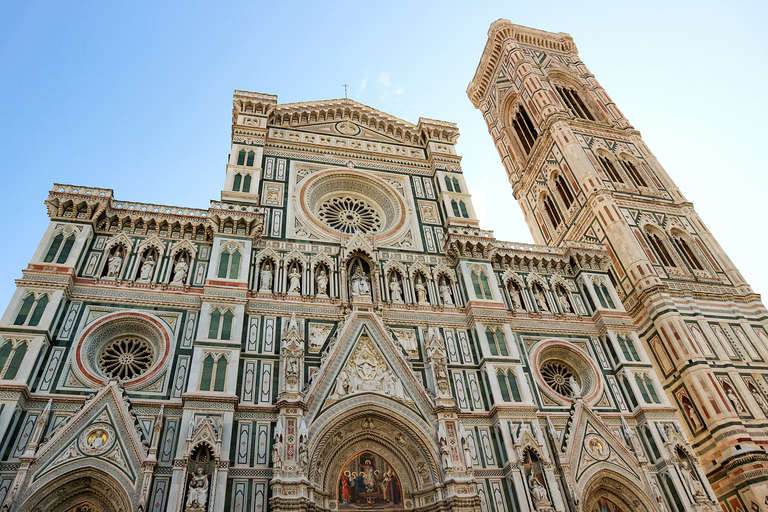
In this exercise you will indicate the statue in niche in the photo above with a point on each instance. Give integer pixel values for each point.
(538, 491)
(181, 270)
(693, 482)
(322, 283)
(395, 292)
(147, 268)
(197, 497)
(541, 301)
(266, 278)
(562, 298)
(303, 457)
(114, 263)
(294, 280)
(761, 403)
(360, 283)
(734, 400)
(441, 377)
(445, 453)
(407, 339)
(421, 290)
(695, 422)
(277, 450)
(514, 294)
(445, 292)
(576, 391)
(465, 443)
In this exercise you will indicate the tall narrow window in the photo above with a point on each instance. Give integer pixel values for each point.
(641, 387)
(552, 213)
(207, 374)
(241, 157)
(4, 353)
(26, 307)
(486, 286)
(455, 207)
(234, 266)
(651, 389)
(226, 325)
(502, 378)
(54, 249)
(65, 250)
(661, 250)
(564, 191)
(251, 155)
(37, 313)
(634, 173)
(524, 129)
(573, 101)
(223, 264)
(628, 391)
(489, 335)
(448, 186)
(652, 443)
(502, 341)
(16, 359)
(513, 387)
(213, 327)
(456, 187)
(476, 285)
(247, 183)
(610, 169)
(687, 253)
(236, 183)
(221, 374)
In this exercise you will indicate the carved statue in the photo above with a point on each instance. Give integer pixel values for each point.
(445, 293)
(277, 450)
(467, 450)
(445, 454)
(360, 285)
(692, 416)
(114, 264)
(395, 292)
(294, 280)
(322, 283)
(576, 391)
(266, 278)
(145, 274)
(564, 304)
(342, 385)
(181, 270)
(197, 497)
(735, 400)
(538, 492)
(693, 482)
(761, 403)
(661, 506)
(541, 301)
(303, 457)
(514, 294)
(408, 341)
(421, 291)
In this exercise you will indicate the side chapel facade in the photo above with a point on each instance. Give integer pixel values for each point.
(338, 333)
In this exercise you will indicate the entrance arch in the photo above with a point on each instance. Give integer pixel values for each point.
(81, 488)
(608, 491)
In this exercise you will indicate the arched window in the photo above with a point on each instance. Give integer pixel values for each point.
(610, 169)
(241, 157)
(456, 187)
(641, 387)
(226, 326)
(491, 341)
(26, 307)
(207, 374)
(611, 350)
(651, 389)
(58, 251)
(251, 156)
(512, 378)
(481, 285)
(34, 304)
(18, 356)
(661, 249)
(54, 248)
(634, 173)
(455, 207)
(564, 191)
(628, 348)
(502, 341)
(463, 208)
(651, 443)
(524, 130)
(247, 183)
(213, 326)
(236, 182)
(221, 374)
(5, 351)
(220, 327)
(448, 185)
(552, 213)
(502, 378)
(510, 392)
(603, 295)
(572, 100)
(37, 313)
(229, 264)
(628, 391)
(486, 286)
(688, 254)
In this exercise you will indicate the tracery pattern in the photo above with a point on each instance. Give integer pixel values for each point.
(126, 358)
(557, 376)
(350, 215)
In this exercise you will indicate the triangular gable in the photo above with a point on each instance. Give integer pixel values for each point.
(591, 446)
(103, 433)
(361, 342)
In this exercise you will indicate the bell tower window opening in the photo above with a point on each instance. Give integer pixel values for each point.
(573, 101)
(634, 173)
(687, 253)
(524, 130)
(661, 250)
(552, 213)
(610, 169)
(456, 187)
(448, 185)
(564, 190)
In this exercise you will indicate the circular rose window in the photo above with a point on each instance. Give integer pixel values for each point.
(559, 366)
(350, 215)
(558, 376)
(126, 358)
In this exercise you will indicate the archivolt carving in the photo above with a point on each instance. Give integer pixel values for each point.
(622, 490)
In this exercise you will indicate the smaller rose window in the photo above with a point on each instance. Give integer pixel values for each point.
(126, 358)
(557, 375)
(350, 215)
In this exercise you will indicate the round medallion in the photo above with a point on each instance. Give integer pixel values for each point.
(565, 372)
(126, 358)
(96, 439)
(347, 128)
(596, 447)
(350, 215)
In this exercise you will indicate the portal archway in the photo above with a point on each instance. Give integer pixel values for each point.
(79, 489)
(608, 491)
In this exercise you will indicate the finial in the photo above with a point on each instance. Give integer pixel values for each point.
(345, 86)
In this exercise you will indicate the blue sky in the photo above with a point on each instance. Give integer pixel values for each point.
(137, 96)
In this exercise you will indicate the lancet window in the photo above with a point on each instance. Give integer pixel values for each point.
(246, 158)
(660, 248)
(11, 356)
(687, 252)
(524, 130)
(510, 392)
(31, 311)
(634, 173)
(481, 285)
(603, 295)
(564, 190)
(229, 264)
(645, 385)
(573, 101)
(214, 373)
(610, 169)
(220, 326)
(241, 183)
(552, 213)
(628, 348)
(59, 249)
(497, 343)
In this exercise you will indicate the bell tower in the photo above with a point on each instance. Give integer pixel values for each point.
(581, 172)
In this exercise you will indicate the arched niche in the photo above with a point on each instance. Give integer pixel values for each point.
(608, 488)
(74, 488)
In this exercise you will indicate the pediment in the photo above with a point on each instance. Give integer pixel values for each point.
(103, 432)
(364, 359)
(346, 129)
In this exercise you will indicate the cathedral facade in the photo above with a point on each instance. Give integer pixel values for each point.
(337, 332)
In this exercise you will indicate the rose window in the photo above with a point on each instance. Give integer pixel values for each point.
(350, 215)
(557, 376)
(126, 358)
